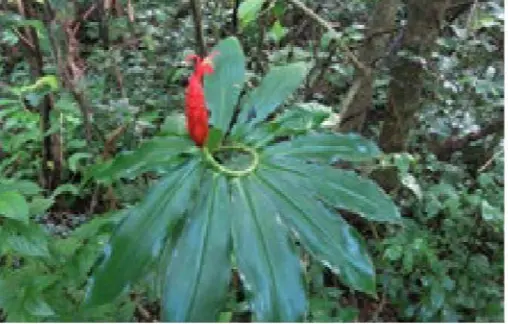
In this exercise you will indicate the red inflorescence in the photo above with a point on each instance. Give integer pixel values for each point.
(195, 105)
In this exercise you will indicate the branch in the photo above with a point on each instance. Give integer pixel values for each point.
(458, 7)
(25, 36)
(329, 27)
(350, 95)
(24, 40)
(89, 12)
(490, 161)
(470, 18)
(143, 312)
(445, 149)
(321, 68)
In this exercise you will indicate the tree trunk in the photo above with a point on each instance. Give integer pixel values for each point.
(405, 88)
(198, 27)
(380, 29)
(51, 162)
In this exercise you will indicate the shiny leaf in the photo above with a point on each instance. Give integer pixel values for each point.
(326, 147)
(327, 236)
(14, 206)
(293, 121)
(274, 89)
(343, 189)
(197, 278)
(248, 10)
(139, 238)
(223, 86)
(26, 240)
(151, 155)
(267, 263)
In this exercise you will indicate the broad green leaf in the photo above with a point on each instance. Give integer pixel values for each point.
(75, 158)
(26, 240)
(49, 80)
(225, 317)
(223, 86)
(326, 147)
(98, 225)
(40, 205)
(139, 238)
(274, 89)
(437, 295)
(344, 189)
(296, 120)
(348, 315)
(265, 257)
(347, 190)
(249, 10)
(410, 182)
(151, 155)
(6, 293)
(8, 102)
(174, 125)
(277, 32)
(36, 306)
(24, 187)
(491, 213)
(14, 206)
(65, 188)
(327, 236)
(197, 279)
(302, 118)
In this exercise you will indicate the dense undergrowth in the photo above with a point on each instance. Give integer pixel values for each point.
(444, 262)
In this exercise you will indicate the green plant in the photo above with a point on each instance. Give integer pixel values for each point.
(38, 269)
(242, 202)
(449, 256)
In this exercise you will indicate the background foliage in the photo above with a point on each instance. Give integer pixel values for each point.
(87, 87)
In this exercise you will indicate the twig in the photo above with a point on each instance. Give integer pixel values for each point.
(27, 37)
(130, 11)
(89, 11)
(374, 231)
(25, 40)
(322, 68)
(350, 95)
(261, 39)
(379, 309)
(489, 161)
(329, 27)
(94, 199)
(470, 18)
(143, 312)
(379, 33)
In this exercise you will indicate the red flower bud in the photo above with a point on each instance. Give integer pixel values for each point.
(195, 105)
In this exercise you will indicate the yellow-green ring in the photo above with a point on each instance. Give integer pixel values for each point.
(226, 171)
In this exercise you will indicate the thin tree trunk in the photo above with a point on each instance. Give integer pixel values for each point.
(380, 29)
(51, 163)
(104, 9)
(405, 88)
(235, 17)
(198, 27)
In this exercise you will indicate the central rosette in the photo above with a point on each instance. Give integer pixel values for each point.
(234, 160)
